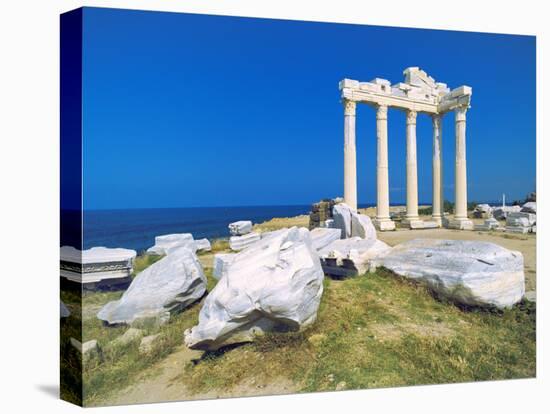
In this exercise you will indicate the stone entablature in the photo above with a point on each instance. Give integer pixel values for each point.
(419, 93)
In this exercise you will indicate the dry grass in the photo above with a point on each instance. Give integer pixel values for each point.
(282, 222)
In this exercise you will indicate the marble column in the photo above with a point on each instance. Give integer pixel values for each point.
(460, 220)
(437, 171)
(411, 217)
(350, 159)
(382, 221)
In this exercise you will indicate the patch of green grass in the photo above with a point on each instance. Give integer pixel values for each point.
(375, 330)
(379, 331)
(219, 245)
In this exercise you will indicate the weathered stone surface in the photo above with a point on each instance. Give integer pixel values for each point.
(90, 350)
(350, 257)
(221, 264)
(167, 286)
(321, 237)
(529, 207)
(531, 296)
(131, 335)
(203, 245)
(167, 241)
(488, 225)
(517, 219)
(467, 272)
(518, 229)
(240, 228)
(351, 223)
(483, 211)
(275, 284)
(64, 312)
(147, 344)
(238, 243)
(97, 267)
(500, 213)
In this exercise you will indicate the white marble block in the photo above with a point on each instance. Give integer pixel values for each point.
(238, 243)
(276, 284)
(351, 257)
(221, 264)
(240, 228)
(98, 267)
(167, 286)
(320, 237)
(167, 241)
(468, 272)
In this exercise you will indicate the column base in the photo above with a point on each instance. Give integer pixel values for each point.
(412, 223)
(438, 220)
(460, 224)
(384, 224)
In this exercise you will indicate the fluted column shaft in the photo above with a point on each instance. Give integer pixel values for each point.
(461, 200)
(412, 176)
(350, 158)
(437, 170)
(382, 178)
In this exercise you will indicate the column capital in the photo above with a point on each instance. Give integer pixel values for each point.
(382, 112)
(349, 107)
(411, 117)
(460, 113)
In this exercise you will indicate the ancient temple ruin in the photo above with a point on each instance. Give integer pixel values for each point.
(419, 93)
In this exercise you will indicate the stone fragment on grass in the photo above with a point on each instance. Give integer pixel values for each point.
(147, 344)
(131, 335)
(89, 349)
(351, 257)
(274, 285)
(166, 287)
(202, 245)
(466, 272)
(240, 228)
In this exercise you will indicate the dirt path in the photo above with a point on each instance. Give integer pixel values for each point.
(163, 382)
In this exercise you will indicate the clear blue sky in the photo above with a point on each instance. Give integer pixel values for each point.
(191, 110)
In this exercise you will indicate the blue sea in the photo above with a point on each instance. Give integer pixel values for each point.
(136, 228)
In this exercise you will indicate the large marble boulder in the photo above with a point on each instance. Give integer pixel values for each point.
(466, 272)
(351, 257)
(167, 286)
(276, 284)
(321, 237)
(169, 241)
(352, 223)
(240, 228)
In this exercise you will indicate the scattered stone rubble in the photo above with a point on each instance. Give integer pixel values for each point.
(242, 235)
